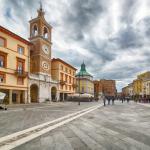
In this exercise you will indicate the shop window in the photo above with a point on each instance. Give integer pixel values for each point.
(2, 42)
(20, 49)
(20, 81)
(2, 78)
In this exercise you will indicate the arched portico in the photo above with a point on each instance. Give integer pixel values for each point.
(34, 93)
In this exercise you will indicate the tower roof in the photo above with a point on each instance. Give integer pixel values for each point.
(83, 71)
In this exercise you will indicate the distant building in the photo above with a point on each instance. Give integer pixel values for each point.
(65, 74)
(104, 87)
(140, 87)
(85, 83)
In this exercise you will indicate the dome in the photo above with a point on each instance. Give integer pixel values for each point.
(83, 71)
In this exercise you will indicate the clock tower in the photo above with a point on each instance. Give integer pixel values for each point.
(40, 82)
(40, 36)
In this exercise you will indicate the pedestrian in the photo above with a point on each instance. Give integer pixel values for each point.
(108, 100)
(113, 99)
(104, 100)
(122, 99)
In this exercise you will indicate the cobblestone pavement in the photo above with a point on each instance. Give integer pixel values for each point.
(20, 117)
(118, 127)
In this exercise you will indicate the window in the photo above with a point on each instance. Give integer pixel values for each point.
(2, 42)
(66, 87)
(20, 49)
(3, 60)
(61, 76)
(69, 79)
(35, 30)
(66, 69)
(2, 78)
(66, 77)
(61, 87)
(45, 33)
(70, 71)
(70, 88)
(73, 73)
(20, 81)
(62, 67)
(20, 65)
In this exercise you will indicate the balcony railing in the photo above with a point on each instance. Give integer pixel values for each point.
(20, 73)
(74, 85)
(62, 82)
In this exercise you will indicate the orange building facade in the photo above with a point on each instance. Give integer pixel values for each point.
(64, 73)
(104, 87)
(14, 57)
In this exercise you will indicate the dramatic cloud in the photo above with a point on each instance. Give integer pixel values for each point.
(112, 37)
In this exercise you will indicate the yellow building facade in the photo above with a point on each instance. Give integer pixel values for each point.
(137, 86)
(64, 73)
(14, 56)
(85, 84)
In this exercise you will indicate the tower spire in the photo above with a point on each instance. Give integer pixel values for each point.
(40, 10)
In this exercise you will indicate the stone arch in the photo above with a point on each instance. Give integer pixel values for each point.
(53, 93)
(45, 33)
(34, 93)
(34, 30)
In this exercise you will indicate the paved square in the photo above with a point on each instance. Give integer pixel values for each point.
(118, 127)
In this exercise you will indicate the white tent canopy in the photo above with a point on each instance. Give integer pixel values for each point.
(2, 96)
(81, 95)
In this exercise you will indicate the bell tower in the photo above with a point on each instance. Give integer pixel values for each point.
(40, 37)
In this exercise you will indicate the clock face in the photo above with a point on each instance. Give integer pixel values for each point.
(45, 49)
(45, 65)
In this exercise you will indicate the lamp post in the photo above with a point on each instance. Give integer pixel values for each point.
(79, 91)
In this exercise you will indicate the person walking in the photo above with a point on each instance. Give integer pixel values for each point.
(104, 100)
(108, 98)
(113, 99)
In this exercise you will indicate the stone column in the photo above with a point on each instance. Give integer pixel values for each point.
(58, 96)
(25, 97)
(10, 96)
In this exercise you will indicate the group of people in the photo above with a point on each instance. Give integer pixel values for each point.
(109, 99)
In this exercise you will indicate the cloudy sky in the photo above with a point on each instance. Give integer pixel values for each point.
(111, 36)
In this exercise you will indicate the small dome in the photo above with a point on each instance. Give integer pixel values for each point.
(83, 71)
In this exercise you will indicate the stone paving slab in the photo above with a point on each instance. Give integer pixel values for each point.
(20, 119)
(117, 127)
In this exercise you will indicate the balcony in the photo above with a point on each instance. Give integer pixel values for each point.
(74, 85)
(20, 73)
(62, 82)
